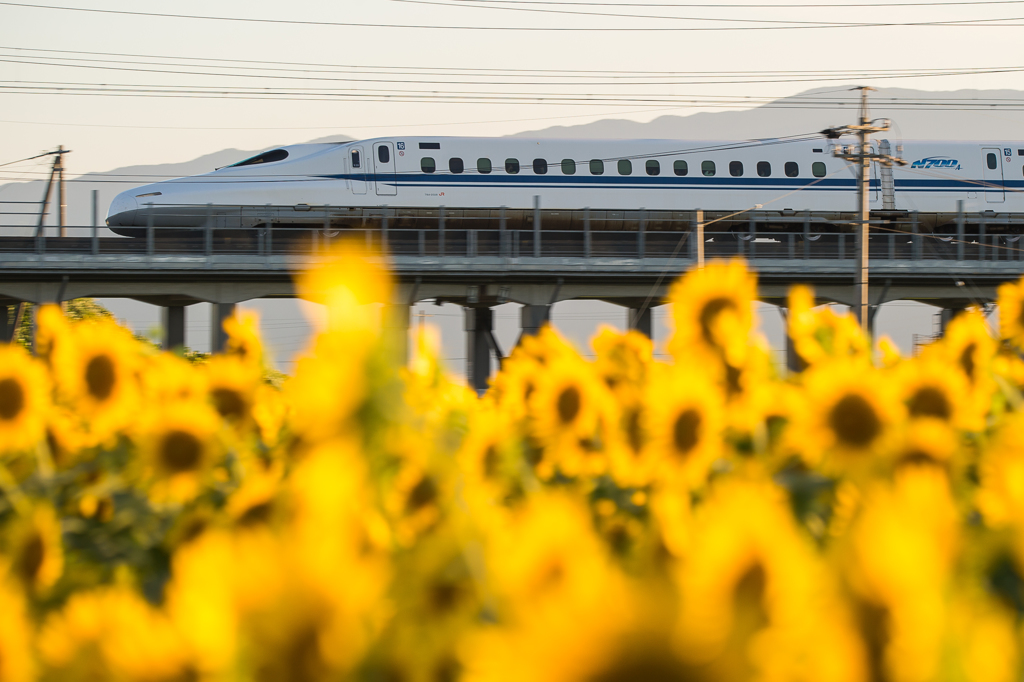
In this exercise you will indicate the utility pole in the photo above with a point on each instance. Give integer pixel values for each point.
(863, 157)
(62, 203)
(56, 173)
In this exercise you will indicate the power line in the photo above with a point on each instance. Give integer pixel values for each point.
(845, 76)
(755, 6)
(347, 24)
(464, 4)
(473, 97)
(444, 70)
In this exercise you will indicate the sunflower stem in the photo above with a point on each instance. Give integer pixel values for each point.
(12, 491)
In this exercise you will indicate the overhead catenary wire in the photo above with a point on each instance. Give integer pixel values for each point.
(940, 3)
(474, 4)
(465, 96)
(1009, 22)
(675, 79)
(445, 70)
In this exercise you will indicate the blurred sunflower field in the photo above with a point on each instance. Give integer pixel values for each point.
(708, 518)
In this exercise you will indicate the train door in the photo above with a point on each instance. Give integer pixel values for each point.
(357, 170)
(384, 168)
(992, 162)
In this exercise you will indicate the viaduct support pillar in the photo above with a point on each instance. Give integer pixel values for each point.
(174, 327)
(395, 319)
(7, 322)
(640, 321)
(946, 316)
(479, 327)
(218, 337)
(532, 318)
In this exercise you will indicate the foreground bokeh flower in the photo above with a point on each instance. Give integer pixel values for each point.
(703, 515)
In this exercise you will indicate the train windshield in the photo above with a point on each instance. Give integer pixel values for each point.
(265, 157)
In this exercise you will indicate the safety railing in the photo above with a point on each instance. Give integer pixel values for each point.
(438, 233)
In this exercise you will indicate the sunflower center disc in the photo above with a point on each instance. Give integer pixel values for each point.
(854, 421)
(930, 402)
(99, 377)
(12, 398)
(568, 404)
(685, 431)
(229, 402)
(181, 452)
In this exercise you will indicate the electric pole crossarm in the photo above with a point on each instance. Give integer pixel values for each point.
(862, 155)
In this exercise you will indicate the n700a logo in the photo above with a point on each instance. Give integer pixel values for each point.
(937, 162)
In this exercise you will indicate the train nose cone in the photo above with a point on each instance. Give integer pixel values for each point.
(122, 210)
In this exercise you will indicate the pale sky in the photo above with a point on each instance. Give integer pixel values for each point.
(106, 132)
(110, 131)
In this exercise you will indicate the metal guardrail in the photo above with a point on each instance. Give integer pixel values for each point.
(493, 233)
(515, 244)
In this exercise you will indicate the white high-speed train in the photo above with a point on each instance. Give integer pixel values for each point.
(344, 183)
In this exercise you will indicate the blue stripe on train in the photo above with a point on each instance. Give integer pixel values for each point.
(707, 183)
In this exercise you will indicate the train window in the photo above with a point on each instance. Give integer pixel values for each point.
(679, 167)
(455, 165)
(993, 163)
(596, 167)
(735, 168)
(267, 157)
(355, 158)
(792, 169)
(818, 169)
(764, 169)
(653, 167)
(625, 167)
(540, 166)
(430, 145)
(707, 168)
(383, 155)
(427, 165)
(511, 166)
(568, 167)
(483, 165)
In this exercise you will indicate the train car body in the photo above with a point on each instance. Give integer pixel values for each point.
(412, 177)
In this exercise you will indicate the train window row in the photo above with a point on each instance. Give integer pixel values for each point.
(623, 166)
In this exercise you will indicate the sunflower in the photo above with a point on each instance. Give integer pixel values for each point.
(755, 601)
(347, 281)
(231, 385)
(1001, 470)
(244, 338)
(166, 378)
(623, 360)
(255, 503)
(113, 633)
(179, 446)
(930, 390)
(899, 560)
(1011, 312)
(713, 311)
(16, 637)
(684, 418)
(846, 423)
(927, 442)
(96, 372)
(24, 400)
(485, 455)
(968, 347)
(33, 545)
(819, 334)
(569, 413)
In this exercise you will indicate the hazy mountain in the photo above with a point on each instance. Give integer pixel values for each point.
(784, 118)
